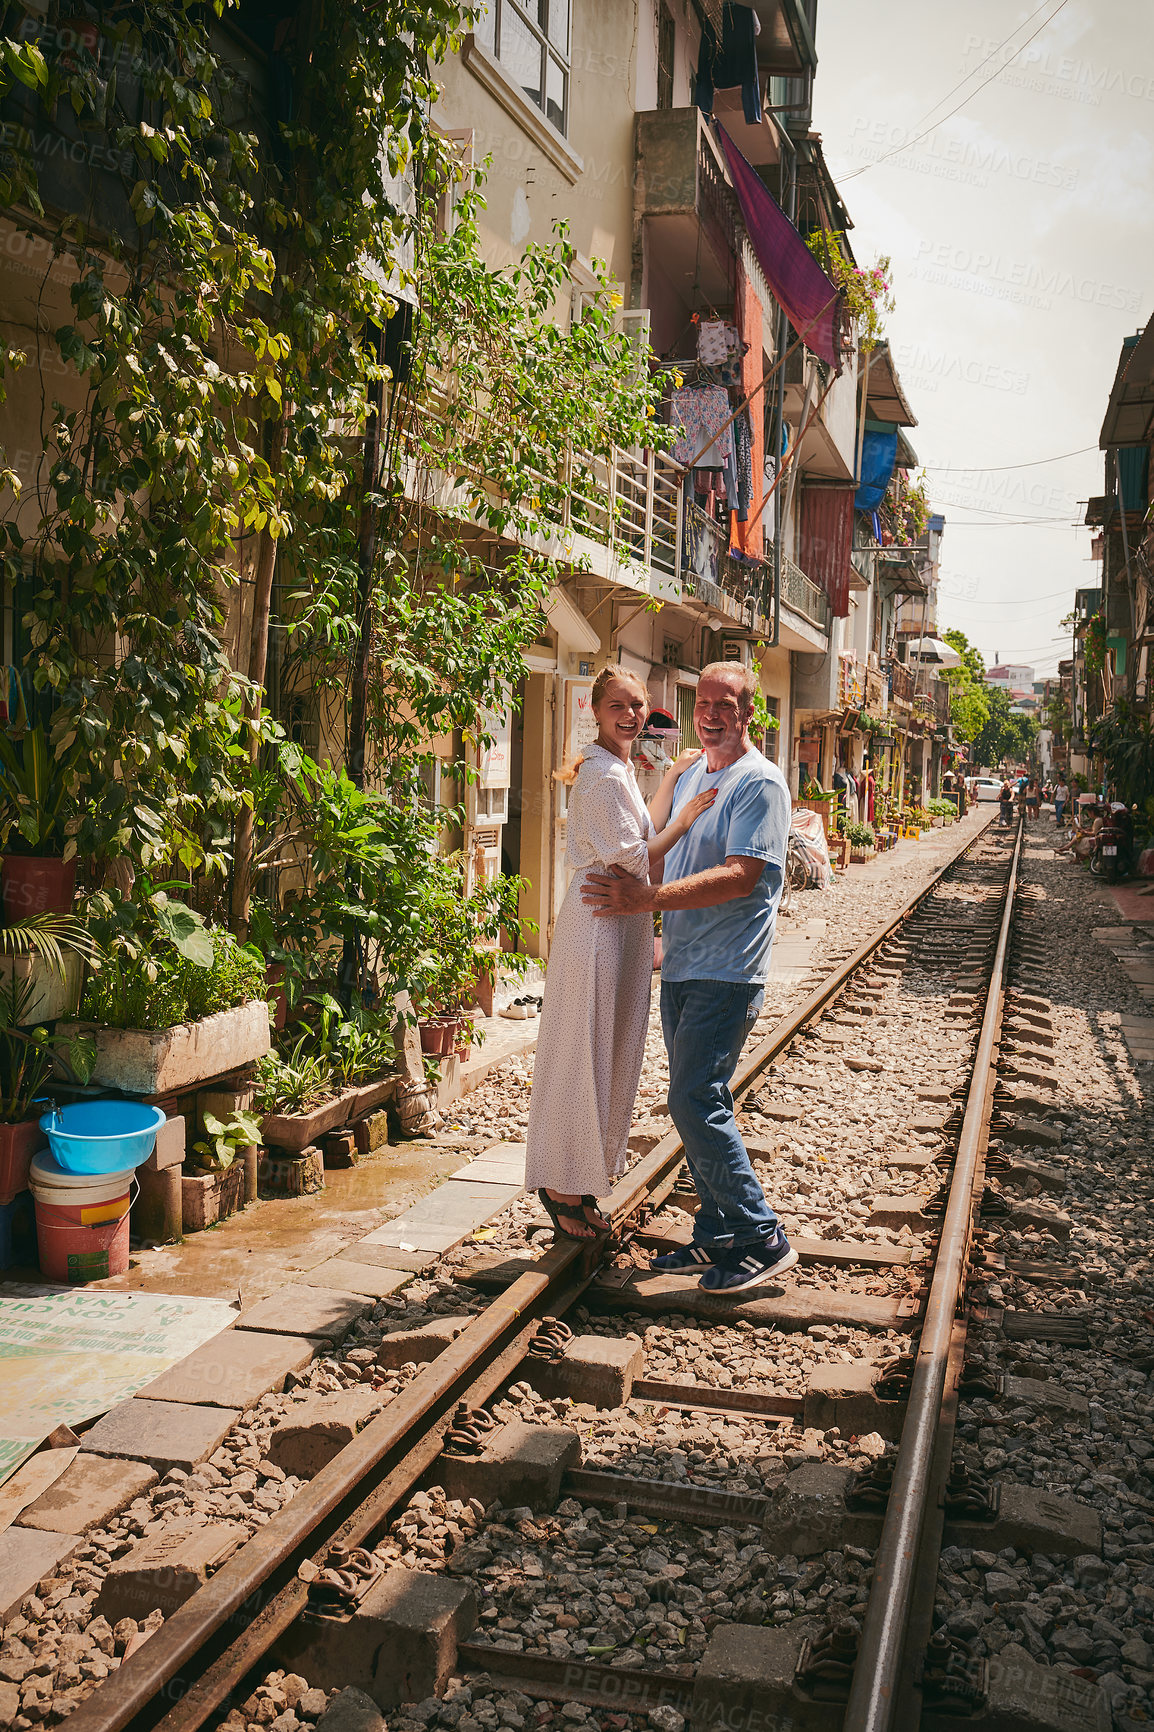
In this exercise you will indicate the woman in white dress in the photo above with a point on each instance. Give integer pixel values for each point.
(596, 1011)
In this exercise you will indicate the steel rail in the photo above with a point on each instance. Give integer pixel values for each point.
(237, 1587)
(254, 1580)
(877, 1669)
(652, 1179)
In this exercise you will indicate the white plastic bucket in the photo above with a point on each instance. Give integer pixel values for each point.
(81, 1221)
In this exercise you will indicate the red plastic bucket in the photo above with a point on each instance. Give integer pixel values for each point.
(81, 1222)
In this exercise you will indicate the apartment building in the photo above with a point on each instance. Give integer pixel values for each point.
(595, 111)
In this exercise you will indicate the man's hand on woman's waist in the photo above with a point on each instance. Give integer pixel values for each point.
(616, 891)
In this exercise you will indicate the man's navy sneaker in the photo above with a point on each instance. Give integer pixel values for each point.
(686, 1257)
(748, 1267)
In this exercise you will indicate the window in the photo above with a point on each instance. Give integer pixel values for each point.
(666, 37)
(531, 40)
(686, 699)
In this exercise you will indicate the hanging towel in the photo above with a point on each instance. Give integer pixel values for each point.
(701, 411)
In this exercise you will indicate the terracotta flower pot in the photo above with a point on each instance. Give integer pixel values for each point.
(37, 884)
(432, 1034)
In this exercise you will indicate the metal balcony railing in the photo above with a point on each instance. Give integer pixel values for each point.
(901, 683)
(631, 504)
(803, 597)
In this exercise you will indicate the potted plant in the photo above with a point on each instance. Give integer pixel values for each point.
(862, 840)
(29, 1053)
(212, 1186)
(39, 811)
(173, 1001)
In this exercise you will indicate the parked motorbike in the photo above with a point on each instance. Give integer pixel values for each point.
(1113, 855)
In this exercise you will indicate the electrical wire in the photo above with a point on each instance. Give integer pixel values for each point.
(1000, 468)
(918, 136)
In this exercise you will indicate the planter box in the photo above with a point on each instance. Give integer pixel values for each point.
(367, 1097)
(141, 1061)
(48, 996)
(206, 1198)
(295, 1131)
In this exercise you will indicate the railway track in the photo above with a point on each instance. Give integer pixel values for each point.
(876, 1663)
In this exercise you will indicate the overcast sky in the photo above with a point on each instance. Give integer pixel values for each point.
(1022, 248)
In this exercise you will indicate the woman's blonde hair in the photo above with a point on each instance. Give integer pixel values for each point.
(567, 774)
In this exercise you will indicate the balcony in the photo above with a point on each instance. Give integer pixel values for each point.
(624, 519)
(901, 684)
(803, 597)
(687, 228)
(875, 693)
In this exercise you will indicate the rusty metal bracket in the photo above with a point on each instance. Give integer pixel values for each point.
(954, 1680)
(871, 1488)
(993, 1205)
(893, 1380)
(972, 1496)
(344, 1579)
(826, 1662)
(470, 1431)
(550, 1341)
(977, 1382)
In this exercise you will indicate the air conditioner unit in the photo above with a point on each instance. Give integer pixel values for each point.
(736, 649)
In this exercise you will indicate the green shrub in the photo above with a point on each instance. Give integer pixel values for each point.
(161, 988)
(861, 835)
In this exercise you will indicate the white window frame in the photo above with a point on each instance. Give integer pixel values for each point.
(491, 25)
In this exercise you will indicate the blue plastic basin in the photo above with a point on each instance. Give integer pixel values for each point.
(102, 1136)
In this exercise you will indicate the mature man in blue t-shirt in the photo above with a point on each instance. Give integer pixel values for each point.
(718, 903)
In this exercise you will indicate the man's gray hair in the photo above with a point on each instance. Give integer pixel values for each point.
(745, 679)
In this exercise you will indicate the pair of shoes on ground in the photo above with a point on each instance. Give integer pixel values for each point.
(522, 1009)
(729, 1270)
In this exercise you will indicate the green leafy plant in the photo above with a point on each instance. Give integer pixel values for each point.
(39, 807)
(292, 1084)
(224, 1140)
(861, 835)
(31, 1054)
(868, 292)
(163, 964)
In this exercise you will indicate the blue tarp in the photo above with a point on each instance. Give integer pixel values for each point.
(878, 455)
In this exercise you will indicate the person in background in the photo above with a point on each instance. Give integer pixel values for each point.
(1061, 799)
(1033, 800)
(1005, 802)
(865, 794)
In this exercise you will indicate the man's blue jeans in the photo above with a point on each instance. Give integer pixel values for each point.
(706, 1024)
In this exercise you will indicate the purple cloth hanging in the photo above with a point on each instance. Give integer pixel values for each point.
(796, 280)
